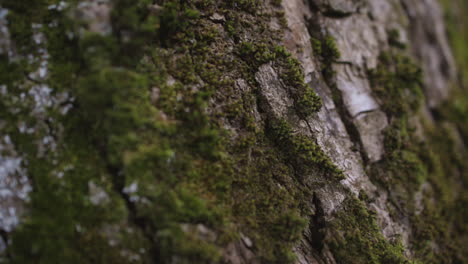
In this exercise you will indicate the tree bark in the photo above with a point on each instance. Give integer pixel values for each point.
(241, 131)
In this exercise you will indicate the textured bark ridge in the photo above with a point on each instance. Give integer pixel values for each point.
(240, 131)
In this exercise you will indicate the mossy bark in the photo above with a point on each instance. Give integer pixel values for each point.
(240, 131)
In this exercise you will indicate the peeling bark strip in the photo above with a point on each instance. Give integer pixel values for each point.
(241, 131)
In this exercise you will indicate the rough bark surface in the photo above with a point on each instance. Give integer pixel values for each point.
(241, 131)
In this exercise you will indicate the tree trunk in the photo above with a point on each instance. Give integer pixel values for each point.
(237, 131)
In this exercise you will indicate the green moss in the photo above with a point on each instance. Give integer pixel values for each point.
(456, 109)
(250, 6)
(325, 48)
(456, 28)
(271, 201)
(397, 82)
(114, 136)
(185, 166)
(308, 103)
(150, 111)
(411, 160)
(394, 39)
(357, 237)
(175, 22)
(329, 49)
(316, 46)
(440, 221)
(327, 53)
(276, 2)
(407, 165)
(305, 154)
(257, 53)
(306, 100)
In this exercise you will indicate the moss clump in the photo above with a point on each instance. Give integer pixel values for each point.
(250, 6)
(357, 238)
(115, 137)
(440, 220)
(149, 102)
(444, 219)
(305, 154)
(175, 21)
(456, 25)
(256, 53)
(277, 2)
(412, 160)
(306, 100)
(326, 48)
(271, 201)
(394, 39)
(397, 82)
(327, 52)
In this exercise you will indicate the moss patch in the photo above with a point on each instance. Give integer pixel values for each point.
(145, 128)
(357, 238)
(397, 83)
(412, 160)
